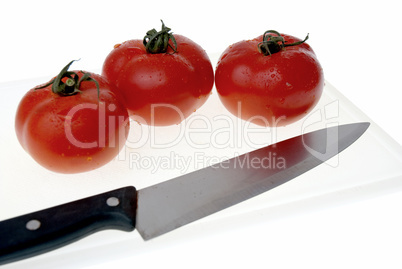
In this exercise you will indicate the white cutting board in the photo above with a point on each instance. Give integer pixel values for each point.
(372, 166)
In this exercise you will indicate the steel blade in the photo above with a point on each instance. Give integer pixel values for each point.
(179, 201)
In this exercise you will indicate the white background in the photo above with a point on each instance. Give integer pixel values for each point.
(357, 42)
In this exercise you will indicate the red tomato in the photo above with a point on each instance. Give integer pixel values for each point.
(272, 80)
(77, 128)
(163, 78)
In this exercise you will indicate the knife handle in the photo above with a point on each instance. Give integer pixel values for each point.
(46, 230)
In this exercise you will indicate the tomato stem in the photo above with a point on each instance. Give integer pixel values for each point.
(274, 43)
(158, 42)
(71, 84)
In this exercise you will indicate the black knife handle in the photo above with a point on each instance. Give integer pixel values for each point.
(48, 229)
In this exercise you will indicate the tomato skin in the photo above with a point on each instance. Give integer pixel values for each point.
(273, 90)
(72, 134)
(160, 89)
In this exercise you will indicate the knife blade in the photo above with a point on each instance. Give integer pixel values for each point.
(163, 207)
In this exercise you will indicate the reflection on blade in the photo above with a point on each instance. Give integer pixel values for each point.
(177, 202)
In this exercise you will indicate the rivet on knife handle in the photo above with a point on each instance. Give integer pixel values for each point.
(48, 229)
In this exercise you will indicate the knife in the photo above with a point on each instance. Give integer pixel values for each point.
(163, 207)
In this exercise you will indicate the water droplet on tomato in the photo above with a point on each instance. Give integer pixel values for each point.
(281, 100)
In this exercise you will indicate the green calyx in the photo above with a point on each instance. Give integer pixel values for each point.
(68, 83)
(274, 43)
(158, 42)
